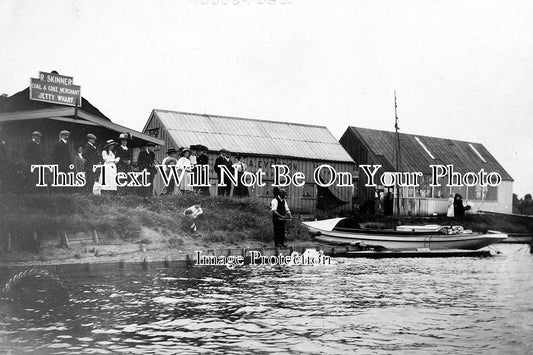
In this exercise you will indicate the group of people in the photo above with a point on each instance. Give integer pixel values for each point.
(189, 159)
(456, 208)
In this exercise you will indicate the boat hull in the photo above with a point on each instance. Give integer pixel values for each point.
(403, 240)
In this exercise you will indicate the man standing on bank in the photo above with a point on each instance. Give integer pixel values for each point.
(33, 155)
(223, 160)
(280, 214)
(92, 158)
(61, 153)
(146, 161)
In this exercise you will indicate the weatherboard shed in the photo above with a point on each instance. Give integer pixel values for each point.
(263, 143)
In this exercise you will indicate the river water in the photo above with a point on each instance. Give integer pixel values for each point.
(441, 305)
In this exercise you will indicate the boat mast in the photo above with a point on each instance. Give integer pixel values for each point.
(398, 156)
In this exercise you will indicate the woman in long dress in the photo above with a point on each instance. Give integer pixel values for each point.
(240, 189)
(184, 164)
(110, 170)
(450, 207)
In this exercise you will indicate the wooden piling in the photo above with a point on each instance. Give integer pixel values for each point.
(166, 262)
(96, 240)
(188, 259)
(121, 264)
(9, 242)
(145, 264)
(64, 240)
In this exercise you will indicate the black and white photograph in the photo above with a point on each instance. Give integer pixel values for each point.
(266, 177)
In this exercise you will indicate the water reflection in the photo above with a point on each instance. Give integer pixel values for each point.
(459, 305)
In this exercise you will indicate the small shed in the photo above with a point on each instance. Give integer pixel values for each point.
(263, 143)
(417, 153)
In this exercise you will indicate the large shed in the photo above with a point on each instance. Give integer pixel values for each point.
(417, 153)
(301, 147)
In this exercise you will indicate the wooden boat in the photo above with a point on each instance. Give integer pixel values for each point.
(435, 237)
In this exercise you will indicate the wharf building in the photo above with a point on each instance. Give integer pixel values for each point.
(417, 154)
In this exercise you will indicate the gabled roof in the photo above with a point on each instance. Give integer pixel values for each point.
(250, 136)
(419, 152)
(20, 102)
(19, 107)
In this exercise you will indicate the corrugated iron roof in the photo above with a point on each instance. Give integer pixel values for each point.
(415, 158)
(250, 136)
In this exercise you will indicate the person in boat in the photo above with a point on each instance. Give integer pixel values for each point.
(458, 207)
(280, 214)
(451, 206)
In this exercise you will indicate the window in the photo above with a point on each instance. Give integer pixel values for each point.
(478, 153)
(425, 148)
(154, 132)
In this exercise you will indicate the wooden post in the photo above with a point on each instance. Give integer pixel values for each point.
(145, 264)
(189, 260)
(95, 237)
(9, 243)
(36, 239)
(64, 240)
(166, 263)
(121, 264)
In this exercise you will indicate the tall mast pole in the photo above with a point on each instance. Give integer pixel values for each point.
(398, 155)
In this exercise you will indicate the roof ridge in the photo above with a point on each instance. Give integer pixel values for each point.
(416, 135)
(241, 118)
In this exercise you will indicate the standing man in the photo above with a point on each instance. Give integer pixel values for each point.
(92, 158)
(3, 162)
(146, 161)
(280, 214)
(202, 160)
(61, 153)
(33, 155)
(223, 160)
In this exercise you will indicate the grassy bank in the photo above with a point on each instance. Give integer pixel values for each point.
(158, 222)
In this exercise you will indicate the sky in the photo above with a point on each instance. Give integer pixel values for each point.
(461, 69)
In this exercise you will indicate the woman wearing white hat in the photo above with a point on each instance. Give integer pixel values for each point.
(108, 183)
(184, 164)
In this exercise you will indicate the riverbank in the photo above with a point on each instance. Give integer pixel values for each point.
(130, 227)
(75, 228)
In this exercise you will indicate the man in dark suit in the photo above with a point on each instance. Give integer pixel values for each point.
(61, 152)
(92, 158)
(33, 155)
(146, 161)
(202, 159)
(223, 160)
